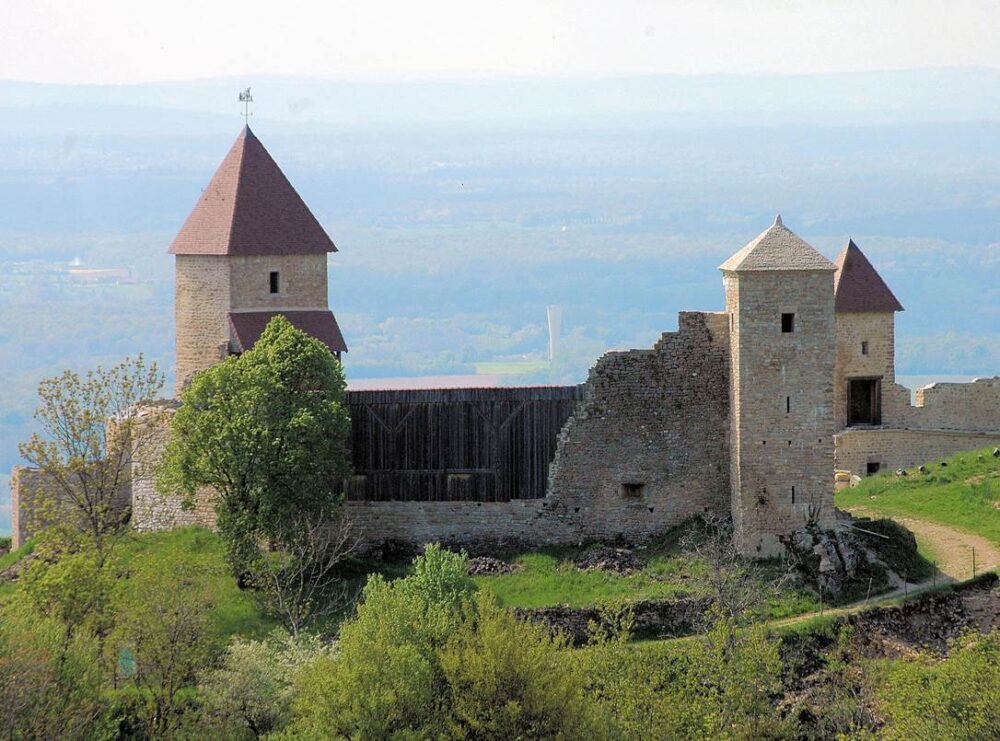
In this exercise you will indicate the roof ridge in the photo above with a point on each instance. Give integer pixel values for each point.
(239, 180)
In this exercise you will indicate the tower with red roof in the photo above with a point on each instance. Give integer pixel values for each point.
(865, 391)
(250, 249)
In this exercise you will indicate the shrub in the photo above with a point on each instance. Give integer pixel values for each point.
(509, 678)
(250, 694)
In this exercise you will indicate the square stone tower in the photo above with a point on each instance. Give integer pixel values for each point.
(249, 250)
(779, 297)
(865, 390)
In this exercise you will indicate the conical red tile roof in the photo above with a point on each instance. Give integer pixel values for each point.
(858, 287)
(250, 208)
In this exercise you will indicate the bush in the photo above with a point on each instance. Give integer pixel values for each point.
(513, 679)
(387, 678)
(250, 694)
(50, 679)
(958, 697)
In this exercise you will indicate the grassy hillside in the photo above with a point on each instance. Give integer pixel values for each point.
(962, 491)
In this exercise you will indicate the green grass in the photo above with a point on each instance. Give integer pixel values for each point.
(234, 612)
(963, 494)
(549, 577)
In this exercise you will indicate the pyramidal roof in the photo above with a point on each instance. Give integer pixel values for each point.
(777, 248)
(250, 208)
(858, 287)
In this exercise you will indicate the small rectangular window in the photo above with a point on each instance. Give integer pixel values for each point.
(275, 285)
(864, 347)
(873, 467)
(632, 490)
(788, 323)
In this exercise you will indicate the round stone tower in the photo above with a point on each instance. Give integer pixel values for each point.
(249, 250)
(779, 297)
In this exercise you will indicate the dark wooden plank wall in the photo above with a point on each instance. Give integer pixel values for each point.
(488, 445)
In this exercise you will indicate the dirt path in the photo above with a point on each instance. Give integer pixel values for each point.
(951, 548)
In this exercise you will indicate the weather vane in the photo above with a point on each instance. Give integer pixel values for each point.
(246, 99)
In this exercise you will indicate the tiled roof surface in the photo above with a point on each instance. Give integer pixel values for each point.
(857, 286)
(248, 326)
(250, 208)
(777, 248)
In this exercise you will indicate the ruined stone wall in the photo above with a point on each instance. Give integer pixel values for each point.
(302, 282)
(959, 406)
(201, 305)
(782, 389)
(649, 447)
(892, 449)
(150, 510)
(37, 501)
(655, 420)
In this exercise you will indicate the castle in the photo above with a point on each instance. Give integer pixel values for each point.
(745, 412)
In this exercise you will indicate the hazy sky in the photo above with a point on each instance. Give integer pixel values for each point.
(142, 40)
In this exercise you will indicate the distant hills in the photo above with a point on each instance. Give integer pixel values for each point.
(297, 104)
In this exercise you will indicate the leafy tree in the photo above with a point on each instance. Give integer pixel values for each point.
(91, 431)
(161, 639)
(267, 430)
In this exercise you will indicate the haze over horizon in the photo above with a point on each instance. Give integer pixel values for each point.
(117, 41)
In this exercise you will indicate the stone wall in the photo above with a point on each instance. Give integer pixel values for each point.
(150, 510)
(37, 501)
(201, 306)
(959, 406)
(646, 449)
(892, 449)
(302, 282)
(873, 332)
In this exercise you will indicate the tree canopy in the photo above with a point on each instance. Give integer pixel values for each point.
(267, 430)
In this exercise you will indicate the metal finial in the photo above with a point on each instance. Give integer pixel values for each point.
(777, 219)
(246, 99)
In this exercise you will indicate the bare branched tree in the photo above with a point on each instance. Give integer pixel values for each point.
(738, 584)
(298, 579)
(91, 431)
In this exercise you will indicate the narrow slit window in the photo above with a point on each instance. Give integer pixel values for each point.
(275, 281)
(787, 323)
(788, 404)
(864, 347)
(793, 495)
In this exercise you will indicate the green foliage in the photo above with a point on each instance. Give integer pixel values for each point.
(957, 697)
(69, 585)
(963, 494)
(161, 639)
(90, 433)
(267, 430)
(5, 540)
(718, 685)
(251, 692)
(897, 548)
(50, 679)
(387, 678)
(513, 679)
